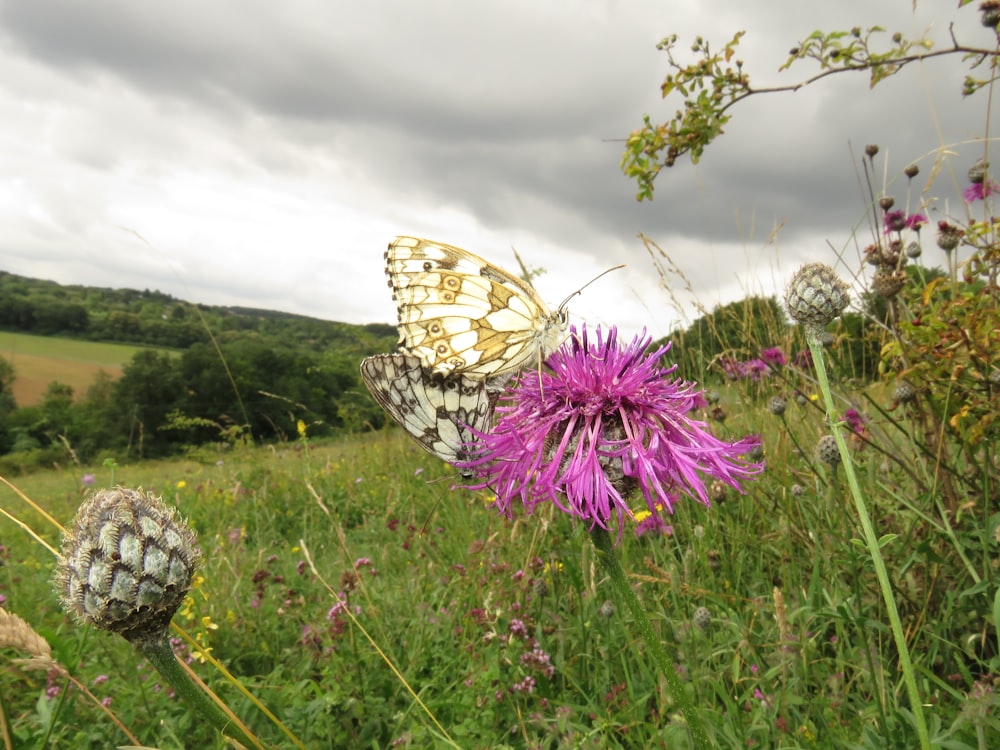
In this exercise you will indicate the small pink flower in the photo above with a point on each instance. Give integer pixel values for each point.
(979, 191)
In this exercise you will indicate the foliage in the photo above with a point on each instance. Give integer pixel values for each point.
(716, 81)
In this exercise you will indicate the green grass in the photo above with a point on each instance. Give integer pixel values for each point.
(446, 589)
(40, 360)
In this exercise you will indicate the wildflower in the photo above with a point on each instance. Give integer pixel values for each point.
(127, 563)
(648, 523)
(915, 221)
(776, 405)
(978, 191)
(702, 618)
(606, 420)
(855, 421)
(773, 356)
(894, 221)
(827, 451)
(815, 296)
(948, 236)
(87, 480)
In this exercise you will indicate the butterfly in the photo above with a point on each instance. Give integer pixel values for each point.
(441, 413)
(460, 315)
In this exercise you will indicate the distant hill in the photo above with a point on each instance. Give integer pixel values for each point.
(152, 318)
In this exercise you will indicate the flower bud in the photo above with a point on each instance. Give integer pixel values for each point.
(816, 296)
(827, 451)
(126, 564)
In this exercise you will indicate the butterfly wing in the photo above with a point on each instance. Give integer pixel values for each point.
(459, 314)
(441, 414)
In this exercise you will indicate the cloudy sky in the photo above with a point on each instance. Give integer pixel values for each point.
(251, 152)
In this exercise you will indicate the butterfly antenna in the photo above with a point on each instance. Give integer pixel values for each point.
(565, 302)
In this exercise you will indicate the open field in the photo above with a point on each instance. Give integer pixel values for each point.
(39, 360)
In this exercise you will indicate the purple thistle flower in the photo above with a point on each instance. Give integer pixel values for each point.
(755, 369)
(915, 221)
(894, 221)
(979, 191)
(605, 421)
(855, 421)
(773, 356)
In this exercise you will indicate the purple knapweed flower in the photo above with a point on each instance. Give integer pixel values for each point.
(894, 221)
(755, 369)
(855, 421)
(773, 356)
(978, 191)
(87, 480)
(915, 221)
(605, 420)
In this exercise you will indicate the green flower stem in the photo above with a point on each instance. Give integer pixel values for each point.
(609, 560)
(157, 650)
(905, 665)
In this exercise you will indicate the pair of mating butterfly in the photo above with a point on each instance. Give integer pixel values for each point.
(465, 326)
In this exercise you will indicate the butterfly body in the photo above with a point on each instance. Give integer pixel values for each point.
(460, 315)
(443, 414)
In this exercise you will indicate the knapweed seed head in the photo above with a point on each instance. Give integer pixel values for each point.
(605, 421)
(815, 297)
(702, 618)
(827, 451)
(904, 392)
(126, 564)
(888, 283)
(776, 405)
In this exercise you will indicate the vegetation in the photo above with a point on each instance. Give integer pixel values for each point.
(350, 590)
(246, 375)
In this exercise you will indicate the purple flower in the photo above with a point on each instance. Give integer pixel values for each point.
(855, 421)
(978, 191)
(894, 221)
(87, 480)
(605, 420)
(773, 356)
(755, 369)
(915, 221)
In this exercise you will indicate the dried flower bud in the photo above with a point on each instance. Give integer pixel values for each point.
(977, 172)
(776, 405)
(798, 490)
(871, 150)
(827, 451)
(606, 610)
(948, 241)
(816, 296)
(887, 284)
(904, 392)
(886, 202)
(126, 564)
(912, 171)
(913, 250)
(702, 618)
(990, 14)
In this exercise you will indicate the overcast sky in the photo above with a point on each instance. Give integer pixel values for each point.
(260, 153)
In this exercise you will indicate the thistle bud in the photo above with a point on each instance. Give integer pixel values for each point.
(126, 564)
(827, 451)
(816, 296)
(776, 405)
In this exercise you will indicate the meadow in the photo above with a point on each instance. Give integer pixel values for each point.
(367, 603)
(40, 360)
(353, 595)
